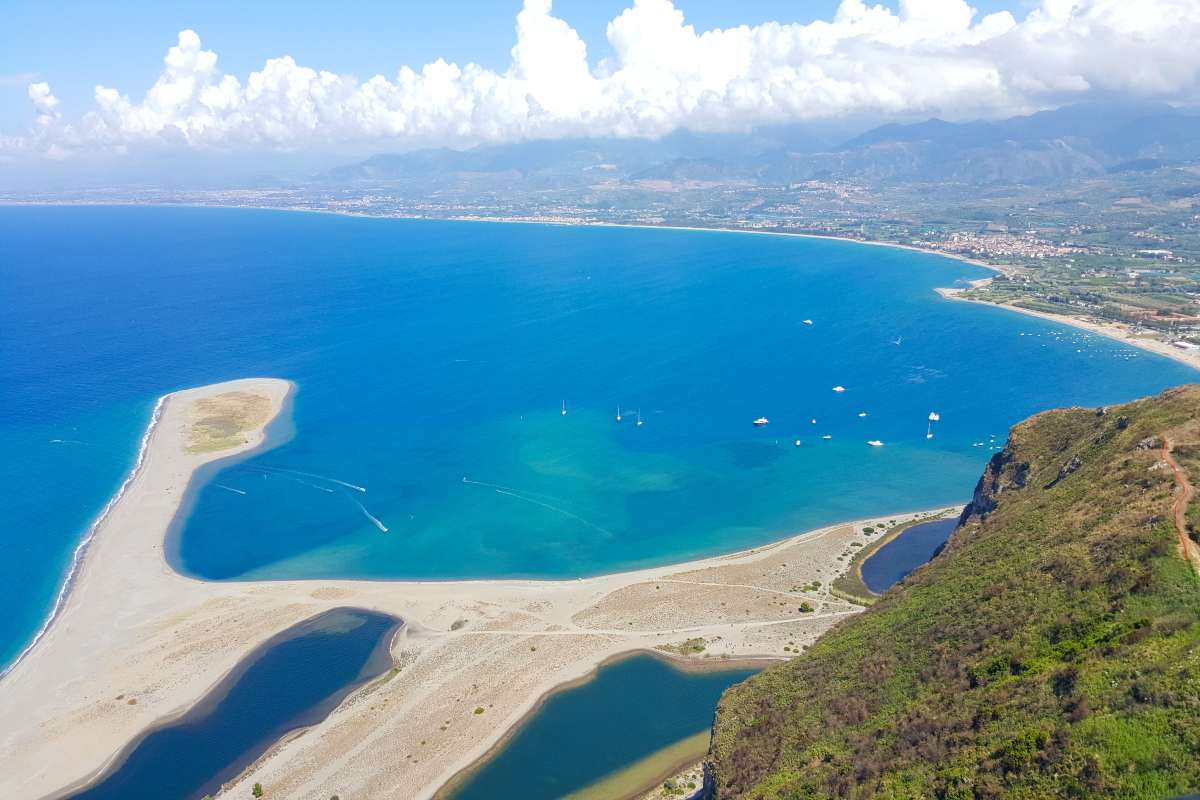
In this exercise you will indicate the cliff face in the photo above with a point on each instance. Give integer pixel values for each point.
(1052, 649)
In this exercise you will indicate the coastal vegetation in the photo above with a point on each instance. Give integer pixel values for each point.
(221, 422)
(1051, 650)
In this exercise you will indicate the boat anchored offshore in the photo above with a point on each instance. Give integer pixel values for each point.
(761, 421)
(808, 322)
(564, 408)
(797, 443)
(875, 443)
(933, 417)
(839, 389)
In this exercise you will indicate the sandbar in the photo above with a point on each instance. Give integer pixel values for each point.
(135, 643)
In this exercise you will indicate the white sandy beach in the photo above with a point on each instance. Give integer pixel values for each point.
(136, 643)
(1113, 330)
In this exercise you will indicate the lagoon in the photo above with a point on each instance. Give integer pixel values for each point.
(630, 709)
(291, 681)
(911, 548)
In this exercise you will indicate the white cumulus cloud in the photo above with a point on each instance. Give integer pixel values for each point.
(929, 57)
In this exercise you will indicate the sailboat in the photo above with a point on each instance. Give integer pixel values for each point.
(933, 417)
(564, 408)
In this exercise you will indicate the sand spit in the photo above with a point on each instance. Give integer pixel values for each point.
(136, 643)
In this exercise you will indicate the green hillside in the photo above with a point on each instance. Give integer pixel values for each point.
(1051, 650)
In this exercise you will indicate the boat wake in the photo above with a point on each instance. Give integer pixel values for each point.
(374, 519)
(518, 495)
(317, 477)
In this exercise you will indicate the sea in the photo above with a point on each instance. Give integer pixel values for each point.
(433, 363)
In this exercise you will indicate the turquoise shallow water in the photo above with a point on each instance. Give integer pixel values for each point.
(426, 352)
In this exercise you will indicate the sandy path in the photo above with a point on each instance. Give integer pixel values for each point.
(137, 643)
(1189, 549)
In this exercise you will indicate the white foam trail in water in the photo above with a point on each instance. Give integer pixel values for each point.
(267, 472)
(318, 477)
(68, 441)
(505, 490)
(228, 488)
(81, 549)
(374, 519)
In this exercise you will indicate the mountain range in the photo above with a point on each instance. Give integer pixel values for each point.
(1070, 142)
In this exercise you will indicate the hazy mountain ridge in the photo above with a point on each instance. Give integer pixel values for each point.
(1075, 141)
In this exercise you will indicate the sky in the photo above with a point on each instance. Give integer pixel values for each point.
(85, 79)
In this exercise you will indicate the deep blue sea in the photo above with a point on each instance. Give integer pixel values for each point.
(426, 353)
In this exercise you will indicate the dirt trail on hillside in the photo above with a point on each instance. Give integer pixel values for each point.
(1190, 550)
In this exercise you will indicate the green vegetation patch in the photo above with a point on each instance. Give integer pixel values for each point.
(1051, 650)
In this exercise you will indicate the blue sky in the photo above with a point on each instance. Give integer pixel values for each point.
(76, 44)
(87, 81)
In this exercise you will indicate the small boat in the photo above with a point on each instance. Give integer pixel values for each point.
(564, 408)
(862, 414)
(797, 443)
(839, 389)
(827, 437)
(639, 418)
(618, 413)
(808, 322)
(760, 422)
(875, 443)
(933, 417)
(814, 422)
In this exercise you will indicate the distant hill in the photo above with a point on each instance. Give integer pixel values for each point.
(1051, 650)
(1078, 140)
(1071, 142)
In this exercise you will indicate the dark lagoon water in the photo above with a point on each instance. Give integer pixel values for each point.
(426, 353)
(913, 547)
(292, 681)
(632, 707)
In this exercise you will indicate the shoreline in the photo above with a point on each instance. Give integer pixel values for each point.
(1112, 330)
(79, 554)
(1108, 329)
(134, 628)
